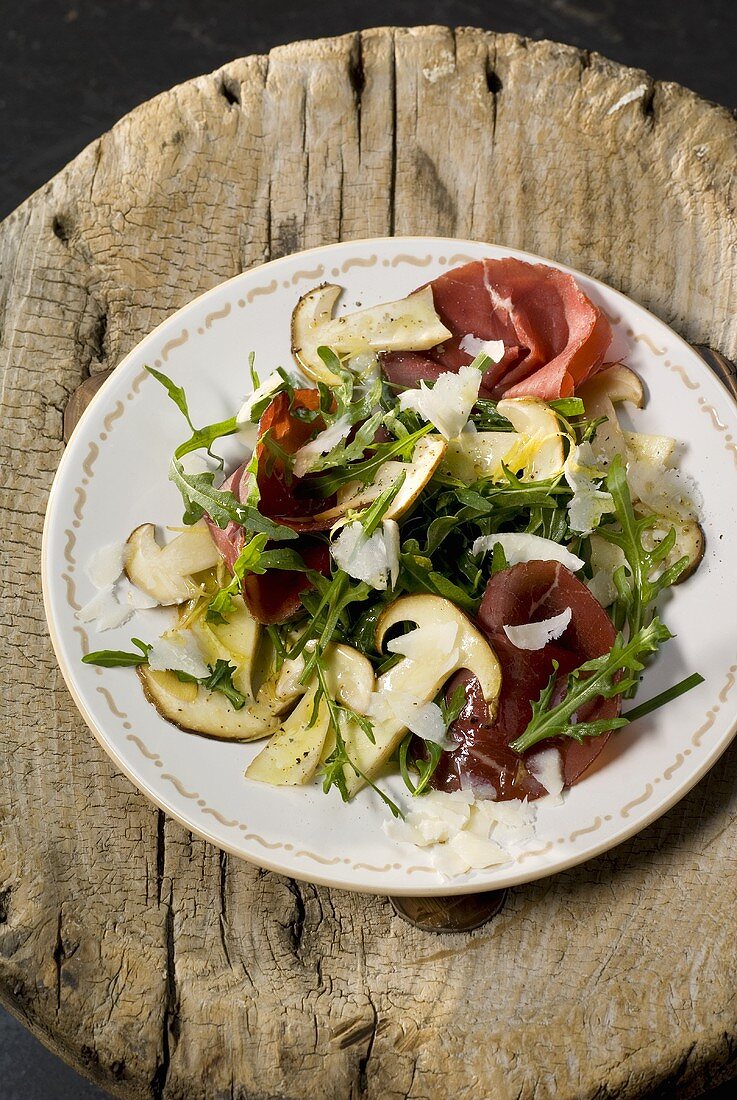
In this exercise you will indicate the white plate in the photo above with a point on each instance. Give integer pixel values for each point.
(113, 476)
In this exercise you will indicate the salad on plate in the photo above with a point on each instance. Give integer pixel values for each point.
(444, 555)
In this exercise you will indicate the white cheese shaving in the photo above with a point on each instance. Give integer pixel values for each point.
(104, 610)
(473, 346)
(537, 635)
(663, 490)
(180, 652)
(373, 560)
(320, 445)
(521, 547)
(267, 387)
(392, 543)
(449, 403)
(588, 503)
(547, 768)
(106, 564)
(462, 833)
(427, 643)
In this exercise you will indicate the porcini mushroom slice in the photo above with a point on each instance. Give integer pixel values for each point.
(410, 324)
(236, 641)
(164, 572)
(200, 711)
(540, 428)
(292, 755)
(600, 394)
(422, 676)
(425, 460)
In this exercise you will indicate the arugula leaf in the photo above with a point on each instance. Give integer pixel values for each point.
(201, 497)
(253, 558)
(219, 678)
(664, 697)
(201, 438)
(612, 674)
(568, 406)
(638, 585)
(365, 470)
(118, 658)
(334, 767)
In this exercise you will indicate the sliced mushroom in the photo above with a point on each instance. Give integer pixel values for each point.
(473, 455)
(294, 752)
(690, 543)
(540, 428)
(410, 324)
(425, 460)
(600, 394)
(654, 450)
(236, 641)
(196, 710)
(421, 679)
(164, 572)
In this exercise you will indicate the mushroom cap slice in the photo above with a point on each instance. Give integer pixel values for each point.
(292, 755)
(422, 679)
(540, 428)
(200, 711)
(354, 496)
(600, 394)
(164, 572)
(473, 455)
(409, 324)
(236, 641)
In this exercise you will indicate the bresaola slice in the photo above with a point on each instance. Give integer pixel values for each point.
(274, 597)
(554, 336)
(530, 591)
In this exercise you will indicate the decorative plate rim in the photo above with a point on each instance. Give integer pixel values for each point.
(444, 886)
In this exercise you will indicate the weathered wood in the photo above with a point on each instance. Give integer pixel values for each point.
(144, 956)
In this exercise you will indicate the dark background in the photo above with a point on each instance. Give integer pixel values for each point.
(69, 70)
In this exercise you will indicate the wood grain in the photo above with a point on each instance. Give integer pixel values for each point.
(148, 959)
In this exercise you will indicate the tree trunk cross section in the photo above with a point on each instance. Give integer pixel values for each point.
(144, 956)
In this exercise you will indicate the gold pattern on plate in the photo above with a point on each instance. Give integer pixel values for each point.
(262, 290)
(299, 276)
(171, 345)
(217, 315)
(111, 702)
(688, 382)
(115, 414)
(625, 811)
(590, 829)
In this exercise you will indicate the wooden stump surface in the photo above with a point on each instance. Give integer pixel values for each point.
(148, 959)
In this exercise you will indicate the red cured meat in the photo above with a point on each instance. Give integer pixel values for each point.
(285, 498)
(554, 336)
(274, 597)
(529, 592)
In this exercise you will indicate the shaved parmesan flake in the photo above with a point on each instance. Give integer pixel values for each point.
(663, 490)
(588, 503)
(320, 445)
(179, 653)
(537, 635)
(267, 387)
(477, 851)
(606, 558)
(106, 564)
(525, 547)
(133, 597)
(427, 643)
(422, 718)
(373, 560)
(473, 346)
(547, 768)
(449, 403)
(104, 610)
(462, 833)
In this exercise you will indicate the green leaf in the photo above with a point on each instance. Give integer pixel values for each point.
(664, 697)
(374, 514)
(604, 677)
(367, 469)
(176, 393)
(568, 406)
(220, 679)
(640, 585)
(118, 658)
(201, 497)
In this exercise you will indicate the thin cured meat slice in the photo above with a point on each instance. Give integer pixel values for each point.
(554, 336)
(529, 592)
(274, 597)
(284, 498)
